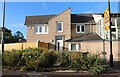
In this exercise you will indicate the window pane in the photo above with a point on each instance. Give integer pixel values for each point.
(112, 25)
(113, 36)
(82, 29)
(40, 29)
(59, 37)
(73, 47)
(113, 29)
(78, 28)
(59, 26)
(36, 29)
(46, 29)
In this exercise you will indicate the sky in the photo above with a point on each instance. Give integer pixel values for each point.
(17, 11)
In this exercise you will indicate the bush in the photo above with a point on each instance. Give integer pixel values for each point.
(64, 59)
(98, 69)
(47, 59)
(38, 59)
(11, 59)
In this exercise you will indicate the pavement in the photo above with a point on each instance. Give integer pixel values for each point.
(10, 73)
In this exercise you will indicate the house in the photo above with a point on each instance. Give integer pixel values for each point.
(75, 32)
(58, 29)
(66, 31)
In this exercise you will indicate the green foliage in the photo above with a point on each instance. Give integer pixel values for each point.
(47, 59)
(38, 59)
(19, 36)
(63, 59)
(10, 38)
(98, 69)
(11, 58)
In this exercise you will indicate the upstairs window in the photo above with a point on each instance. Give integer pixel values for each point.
(80, 29)
(59, 26)
(36, 29)
(46, 29)
(41, 29)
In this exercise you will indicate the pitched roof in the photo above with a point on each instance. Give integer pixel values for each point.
(75, 18)
(86, 37)
(82, 18)
(42, 19)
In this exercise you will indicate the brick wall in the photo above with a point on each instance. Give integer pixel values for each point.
(88, 29)
(97, 47)
(65, 18)
(32, 37)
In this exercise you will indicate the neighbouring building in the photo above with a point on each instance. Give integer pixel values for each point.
(115, 27)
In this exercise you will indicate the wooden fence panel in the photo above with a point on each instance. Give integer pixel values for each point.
(20, 46)
(43, 45)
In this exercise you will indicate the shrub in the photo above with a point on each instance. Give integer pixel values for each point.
(11, 59)
(63, 59)
(98, 69)
(47, 59)
(38, 59)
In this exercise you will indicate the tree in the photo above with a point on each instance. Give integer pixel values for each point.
(19, 36)
(9, 38)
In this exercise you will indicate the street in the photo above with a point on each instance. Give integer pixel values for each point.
(54, 74)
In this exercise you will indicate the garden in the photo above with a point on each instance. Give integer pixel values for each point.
(43, 60)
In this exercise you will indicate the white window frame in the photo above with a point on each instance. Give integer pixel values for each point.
(80, 28)
(61, 26)
(77, 47)
(43, 29)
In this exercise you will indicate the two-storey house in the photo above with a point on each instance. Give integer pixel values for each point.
(60, 28)
(66, 31)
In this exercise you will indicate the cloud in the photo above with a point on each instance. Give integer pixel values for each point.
(44, 4)
(17, 26)
(90, 11)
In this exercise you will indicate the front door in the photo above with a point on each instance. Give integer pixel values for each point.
(59, 43)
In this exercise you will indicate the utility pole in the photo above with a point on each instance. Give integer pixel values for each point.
(2, 28)
(111, 54)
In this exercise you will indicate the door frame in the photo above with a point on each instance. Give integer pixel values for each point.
(56, 40)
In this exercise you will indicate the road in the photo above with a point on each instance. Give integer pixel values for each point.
(54, 74)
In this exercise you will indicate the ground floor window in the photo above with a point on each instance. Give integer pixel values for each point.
(73, 47)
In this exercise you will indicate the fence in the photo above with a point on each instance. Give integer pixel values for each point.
(20, 46)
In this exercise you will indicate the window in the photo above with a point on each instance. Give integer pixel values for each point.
(46, 29)
(41, 29)
(73, 47)
(112, 25)
(59, 38)
(113, 36)
(80, 29)
(36, 29)
(59, 26)
(113, 29)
